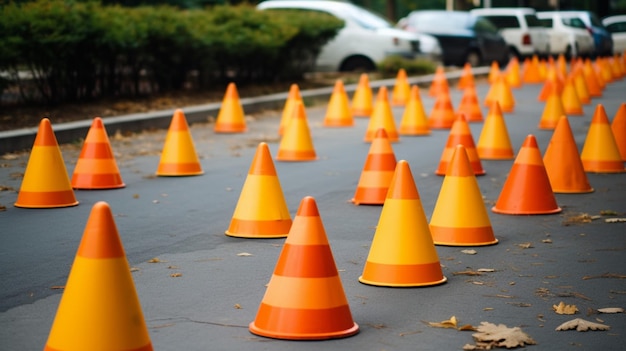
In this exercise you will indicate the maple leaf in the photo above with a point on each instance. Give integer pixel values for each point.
(490, 335)
(582, 325)
(562, 308)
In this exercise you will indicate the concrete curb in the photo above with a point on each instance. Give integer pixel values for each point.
(22, 139)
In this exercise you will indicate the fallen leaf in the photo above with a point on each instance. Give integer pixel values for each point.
(176, 275)
(135, 196)
(450, 323)
(469, 252)
(244, 254)
(582, 325)
(611, 310)
(237, 306)
(134, 269)
(608, 213)
(57, 287)
(562, 308)
(3, 208)
(605, 275)
(525, 245)
(615, 220)
(467, 273)
(154, 260)
(486, 270)
(490, 335)
(547, 241)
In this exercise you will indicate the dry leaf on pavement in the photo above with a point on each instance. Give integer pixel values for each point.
(450, 323)
(611, 310)
(244, 254)
(582, 325)
(490, 336)
(469, 252)
(562, 308)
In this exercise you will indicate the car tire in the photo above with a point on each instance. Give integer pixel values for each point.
(473, 58)
(357, 63)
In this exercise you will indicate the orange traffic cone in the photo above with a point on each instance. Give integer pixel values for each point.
(553, 80)
(467, 77)
(531, 71)
(402, 253)
(581, 86)
(501, 92)
(494, 142)
(513, 75)
(569, 98)
(99, 309)
(45, 183)
(414, 120)
(230, 119)
(527, 189)
(593, 85)
(561, 65)
(562, 161)
(494, 72)
(377, 172)
(297, 144)
(460, 134)
(179, 157)
(600, 152)
(605, 70)
(460, 217)
(305, 299)
(261, 211)
(382, 117)
(618, 127)
(552, 111)
(439, 85)
(292, 98)
(363, 99)
(338, 113)
(470, 106)
(442, 115)
(401, 89)
(96, 167)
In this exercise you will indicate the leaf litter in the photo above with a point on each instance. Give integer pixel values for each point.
(582, 325)
(490, 336)
(562, 308)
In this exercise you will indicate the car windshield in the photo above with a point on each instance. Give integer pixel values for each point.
(367, 19)
(573, 22)
(547, 22)
(427, 21)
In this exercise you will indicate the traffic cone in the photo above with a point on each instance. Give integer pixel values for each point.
(513, 75)
(494, 142)
(501, 92)
(305, 299)
(581, 86)
(543, 68)
(600, 152)
(561, 65)
(401, 89)
(605, 70)
(45, 183)
(382, 117)
(531, 71)
(442, 115)
(470, 106)
(460, 134)
(460, 217)
(494, 72)
(96, 167)
(99, 308)
(230, 118)
(553, 80)
(297, 144)
(414, 120)
(179, 157)
(552, 111)
(377, 172)
(569, 98)
(562, 161)
(616, 67)
(599, 74)
(467, 77)
(527, 189)
(261, 211)
(402, 253)
(618, 127)
(363, 99)
(439, 85)
(338, 113)
(292, 98)
(593, 85)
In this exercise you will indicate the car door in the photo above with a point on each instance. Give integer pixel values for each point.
(493, 46)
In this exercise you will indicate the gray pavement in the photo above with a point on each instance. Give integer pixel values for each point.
(181, 221)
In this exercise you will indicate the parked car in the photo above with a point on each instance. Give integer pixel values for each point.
(568, 35)
(463, 37)
(601, 37)
(365, 40)
(521, 29)
(616, 25)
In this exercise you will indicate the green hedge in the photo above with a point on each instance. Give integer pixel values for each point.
(77, 51)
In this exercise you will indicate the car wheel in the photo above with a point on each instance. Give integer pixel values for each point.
(357, 63)
(568, 52)
(473, 58)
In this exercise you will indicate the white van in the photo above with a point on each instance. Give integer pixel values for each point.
(568, 35)
(521, 29)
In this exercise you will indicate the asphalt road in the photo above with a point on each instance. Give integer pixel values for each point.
(538, 262)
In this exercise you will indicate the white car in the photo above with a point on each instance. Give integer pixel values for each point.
(365, 40)
(521, 29)
(616, 25)
(568, 35)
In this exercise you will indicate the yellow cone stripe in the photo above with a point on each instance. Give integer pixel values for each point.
(179, 148)
(45, 171)
(261, 198)
(464, 206)
(305, 293)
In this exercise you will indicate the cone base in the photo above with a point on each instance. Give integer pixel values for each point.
(255, 236)
(525, 212)
(338, 124)
(440, 243)
(395, 285)
(591, 166)
(48, 199)
(103, 187)
(484, 154)
(573, 191)
(45, 206)
(160, 174)
(304, 336)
